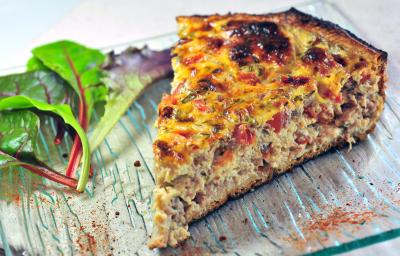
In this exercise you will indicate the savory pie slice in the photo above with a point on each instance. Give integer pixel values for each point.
(252, 96)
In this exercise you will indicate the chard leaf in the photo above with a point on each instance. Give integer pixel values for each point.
(127, 74)
(62, 110)
(80, 67)
(18, 132)
(77, 64)
(44, 86)
(46, 172)
(34, 64)
(6, 160)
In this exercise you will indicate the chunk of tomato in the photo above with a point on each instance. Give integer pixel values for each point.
(243, 135)
(278, 121)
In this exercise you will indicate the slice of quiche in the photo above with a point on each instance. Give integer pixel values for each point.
(252, 96)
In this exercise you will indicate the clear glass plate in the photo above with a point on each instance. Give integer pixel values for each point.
(340, 201)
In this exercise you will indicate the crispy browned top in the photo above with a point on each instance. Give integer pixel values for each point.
(238, 72)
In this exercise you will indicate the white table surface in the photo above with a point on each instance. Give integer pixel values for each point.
(99, 23)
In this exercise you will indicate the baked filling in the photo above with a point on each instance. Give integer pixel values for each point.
(252, 96)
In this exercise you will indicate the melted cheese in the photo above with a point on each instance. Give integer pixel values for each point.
(230, 72)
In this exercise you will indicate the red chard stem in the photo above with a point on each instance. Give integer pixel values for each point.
(51, 175)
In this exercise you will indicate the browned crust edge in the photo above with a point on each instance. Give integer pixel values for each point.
(336, 33)
(328, 26)
(295, 17)
(322, 27)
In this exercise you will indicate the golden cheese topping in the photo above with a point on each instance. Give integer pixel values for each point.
(234, 75)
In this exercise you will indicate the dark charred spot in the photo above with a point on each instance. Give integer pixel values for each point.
(319, 60)
(215, 43)
(217, 127)
(305, 19)
(350, 85)
(220, 151)
(275, 45)
(164, 147)
(240, 53)
(184, 119)
(137, 163)
(265, 148)
(316, 41)
(347, 105)
(260, 49)
(243, 28)
(315, 55)
(257, 41)
(166, 112)
(206, 85)
(217, 71)
(295, 80)
(206, 26)
(339, 59)
(165, 150)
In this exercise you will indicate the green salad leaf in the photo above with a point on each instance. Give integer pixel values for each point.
(43, 90)
(65, 112)
(7, 160)
(44, 86)
(57, 75)
(18, 134)
(77, 64)
(80, 67)
(69, 60)
(34, 64)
